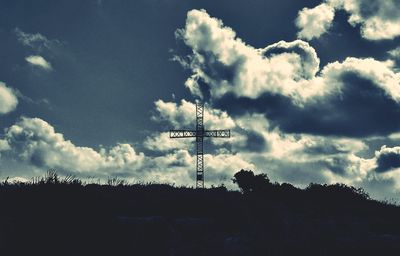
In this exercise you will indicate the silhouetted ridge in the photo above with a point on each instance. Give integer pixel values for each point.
(56, 215)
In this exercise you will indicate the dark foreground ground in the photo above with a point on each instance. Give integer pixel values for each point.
(53, 217)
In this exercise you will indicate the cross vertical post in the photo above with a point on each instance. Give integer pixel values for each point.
(199, 134)
(199, 145)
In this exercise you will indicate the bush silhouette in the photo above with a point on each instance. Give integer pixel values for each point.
(248, 182)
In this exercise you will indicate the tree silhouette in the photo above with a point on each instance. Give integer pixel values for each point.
(248, 182)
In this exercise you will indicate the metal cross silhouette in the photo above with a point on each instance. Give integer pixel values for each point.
(199, 134)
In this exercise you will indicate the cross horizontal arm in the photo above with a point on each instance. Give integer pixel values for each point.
(194, 133)
(217, 133)
(182, 133)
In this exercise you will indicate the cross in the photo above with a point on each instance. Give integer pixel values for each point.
(199, 134)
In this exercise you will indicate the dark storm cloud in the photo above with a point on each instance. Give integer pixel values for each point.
(337, 164)
(325, 149)
(387, 159)
(255, 142)
(252, 141)
(219, 71)
(38, 158)
(204, 89)
(295, 173)
(357, 111)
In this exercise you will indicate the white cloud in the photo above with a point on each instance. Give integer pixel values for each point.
(183, 116)
(39, 61)
(36, 141)
(36, 41)
(378, 20)
(222, 167)
(18, 180)
(287, 68)
(395, 53)
(314, 22)
(4, 145)
(309, 60)
(228, 65)
(378, 72)
(29, 39)
(8, 99)
(162, 142)
(291, 158)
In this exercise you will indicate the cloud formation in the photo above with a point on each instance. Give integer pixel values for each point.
(378, 20)
(314, 22)
(290, 117)
(395, 53)
(4, 145)
(284, 82)
(222, 63)
(33, 141)
(161, 142)
(39, 61)
(387, 159)
(302, 122)
(183, 115)
(37, 42)
(8, 99)
(289, 157)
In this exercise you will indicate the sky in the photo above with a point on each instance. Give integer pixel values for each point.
(309, 89)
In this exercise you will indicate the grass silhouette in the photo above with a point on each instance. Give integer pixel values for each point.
(55, 215)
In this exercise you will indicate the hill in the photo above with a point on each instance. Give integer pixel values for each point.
(63, 216)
